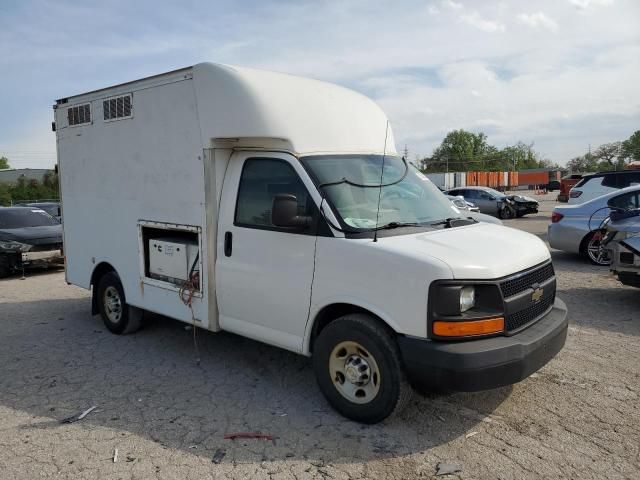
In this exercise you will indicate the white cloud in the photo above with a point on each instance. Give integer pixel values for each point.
(452, 5)
(538, 19)
(584, 4)
(475, 20)
(429, 71)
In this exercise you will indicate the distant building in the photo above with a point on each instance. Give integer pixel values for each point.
(12, 175)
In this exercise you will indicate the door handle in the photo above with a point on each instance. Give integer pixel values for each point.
(228, 244)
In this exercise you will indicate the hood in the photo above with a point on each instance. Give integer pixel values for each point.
(34, 235)
(523, 198)
(481, 251)
(482, 217)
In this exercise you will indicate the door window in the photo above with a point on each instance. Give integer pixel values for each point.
(628, 201)
(470, 194)
(627, 179)
(261, 180)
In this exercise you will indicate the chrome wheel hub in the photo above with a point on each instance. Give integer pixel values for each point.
(354, 372)
(112, 304)
(357, 370)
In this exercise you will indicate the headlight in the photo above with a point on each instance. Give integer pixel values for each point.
(12, 246)
(467, 298)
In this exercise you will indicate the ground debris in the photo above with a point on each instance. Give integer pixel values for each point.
(75, 418)
(218, 455)
(444, 468)
(263, 436)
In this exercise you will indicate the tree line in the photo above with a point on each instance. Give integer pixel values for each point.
(608, 156)
(462, 151)
(28, 189)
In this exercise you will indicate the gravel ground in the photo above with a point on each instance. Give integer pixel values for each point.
(578, 417)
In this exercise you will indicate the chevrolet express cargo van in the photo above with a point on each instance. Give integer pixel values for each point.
(276, 207)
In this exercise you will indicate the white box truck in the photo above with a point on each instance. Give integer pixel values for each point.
(300, 227)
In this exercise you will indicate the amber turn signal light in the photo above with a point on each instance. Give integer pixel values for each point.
(468, 328)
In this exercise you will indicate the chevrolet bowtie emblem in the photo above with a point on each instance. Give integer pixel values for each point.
(537, 295)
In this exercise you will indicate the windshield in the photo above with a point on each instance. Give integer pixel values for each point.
(406, 197)
(25, 217)
(495, 193)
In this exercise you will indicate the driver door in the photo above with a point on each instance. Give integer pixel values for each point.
(264, 272)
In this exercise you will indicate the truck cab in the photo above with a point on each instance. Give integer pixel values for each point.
(284, 214)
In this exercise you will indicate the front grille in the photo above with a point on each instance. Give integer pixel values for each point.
(520, 283)
(532, 312)
(46, 247)
(626, 258)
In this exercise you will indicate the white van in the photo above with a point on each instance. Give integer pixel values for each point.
(276, 207)
(598, 184)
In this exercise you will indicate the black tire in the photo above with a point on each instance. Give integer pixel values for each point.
(393, 388)
(506, 213)
(125, 322)
(588, 243)
(5, 269)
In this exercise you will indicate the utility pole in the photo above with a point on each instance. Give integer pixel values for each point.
(405, 153)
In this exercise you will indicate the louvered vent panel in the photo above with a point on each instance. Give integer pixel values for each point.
(117, 108)
(79, 115)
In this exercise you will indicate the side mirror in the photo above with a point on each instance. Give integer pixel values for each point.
(284, 212)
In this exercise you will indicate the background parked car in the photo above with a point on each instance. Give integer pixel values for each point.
(28, 237)
(597, 184)
(52, 208)
(462, 204)
(492, 202)
(575, 228)
(624, 248)
(471, 211)
(553, 185)
(566, 184)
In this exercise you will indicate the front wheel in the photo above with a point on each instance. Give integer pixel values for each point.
(359, 370)
(506, 213)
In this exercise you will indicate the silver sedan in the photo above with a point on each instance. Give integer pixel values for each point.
(576, 228)
(469, 210)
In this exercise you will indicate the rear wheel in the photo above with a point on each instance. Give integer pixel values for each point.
(117, 316)
(592, 248)
(358, 368)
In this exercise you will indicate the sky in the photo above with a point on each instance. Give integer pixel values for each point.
(561, 74)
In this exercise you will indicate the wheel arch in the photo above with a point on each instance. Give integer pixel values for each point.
(333, 311)
(100, 269)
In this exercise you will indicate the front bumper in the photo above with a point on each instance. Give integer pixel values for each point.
(35, 258)
(488, 363)
(527, 208)
(625, 263)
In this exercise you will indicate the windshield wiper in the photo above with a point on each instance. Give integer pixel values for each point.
(448, 222)
(392, 225)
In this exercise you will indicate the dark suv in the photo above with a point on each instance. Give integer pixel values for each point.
(28, 237)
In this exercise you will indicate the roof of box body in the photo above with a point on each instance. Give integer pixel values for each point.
(309, 115)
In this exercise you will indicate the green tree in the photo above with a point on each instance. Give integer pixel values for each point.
(464, 151)
(630, 149)
(461, 150)
(522, 156)
(585, 163)
(5, 194)
(607, 156)
(4, 163)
